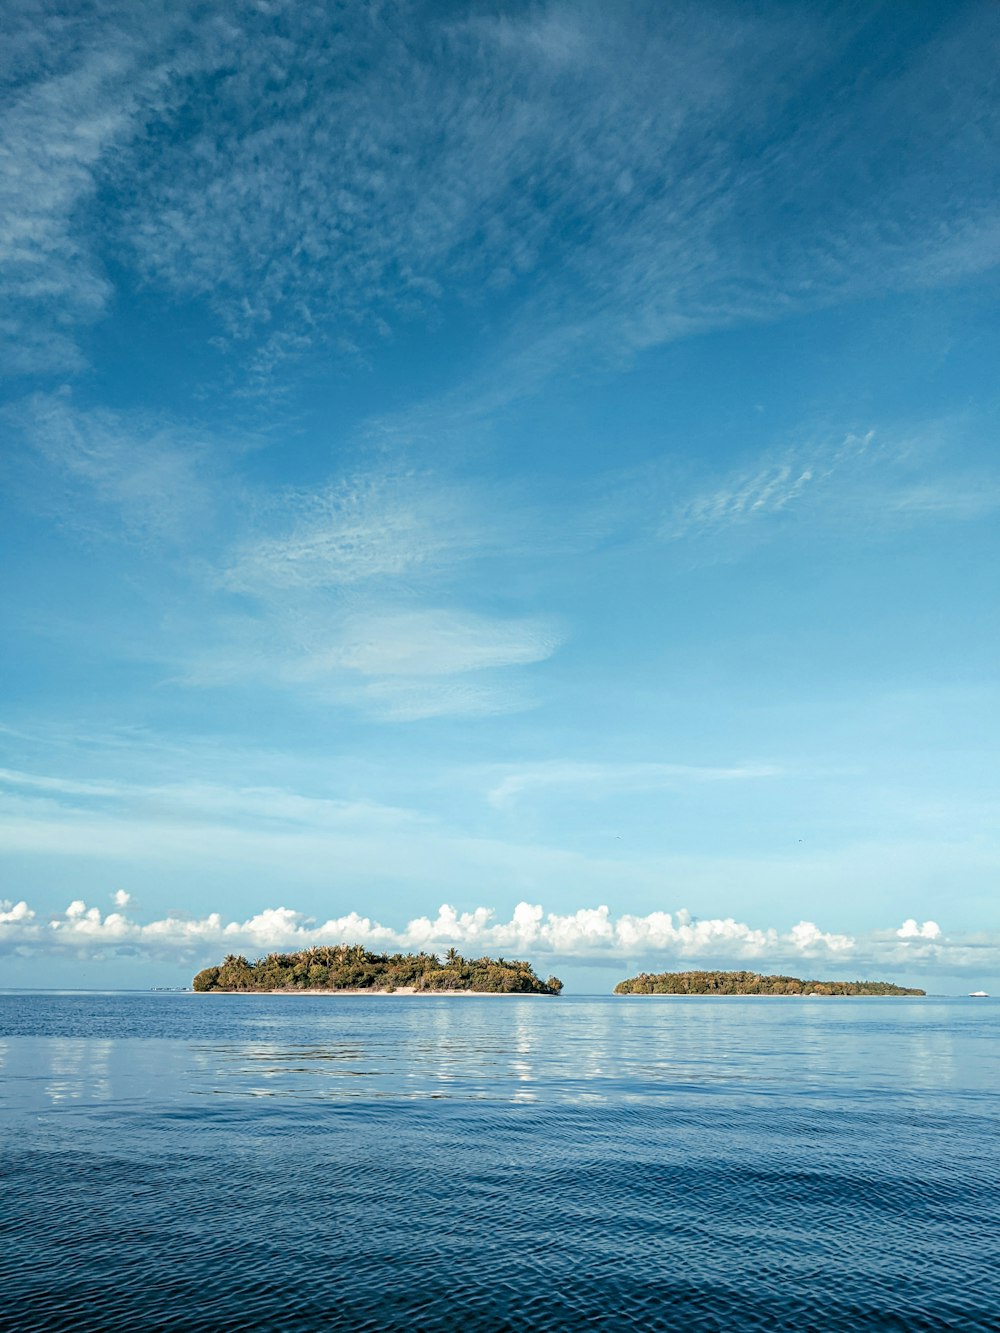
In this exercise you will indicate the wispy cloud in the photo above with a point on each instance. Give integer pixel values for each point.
(798, 477)
(869, 481)
(78, 92)
(742, 500)
(374, 590)
(407, 699)
(441, 643)
(382, 523)
(355, 591)
(956, 497)
(399, 664)
(55, 132)
(362, 588)
(620, 176)
(599, 779)
(693, 202)
(114, 474)
(204, 802)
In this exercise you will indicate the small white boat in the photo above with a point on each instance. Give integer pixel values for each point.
(978, 995)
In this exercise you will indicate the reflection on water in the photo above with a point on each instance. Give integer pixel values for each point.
(80, 1070)
(191, 1162)
(566, 1050)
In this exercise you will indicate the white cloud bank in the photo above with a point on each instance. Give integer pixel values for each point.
(590, 934)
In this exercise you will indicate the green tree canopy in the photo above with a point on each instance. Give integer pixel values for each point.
(749, 983)
(350, 967)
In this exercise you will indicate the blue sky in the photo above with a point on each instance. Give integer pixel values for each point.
(520, 476)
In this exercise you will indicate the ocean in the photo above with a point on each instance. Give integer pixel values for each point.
(217, 1162)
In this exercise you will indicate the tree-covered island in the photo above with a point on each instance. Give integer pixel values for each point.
(749, 983)
(349, 967)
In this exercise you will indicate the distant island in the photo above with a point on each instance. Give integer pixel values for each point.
(749, 983)
(350, 968)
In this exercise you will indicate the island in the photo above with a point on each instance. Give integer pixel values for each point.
(350, 969)
(750, 983)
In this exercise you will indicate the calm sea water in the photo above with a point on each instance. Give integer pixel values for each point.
(388, 1163)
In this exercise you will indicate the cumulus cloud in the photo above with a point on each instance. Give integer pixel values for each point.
(16, 916)
(909, 930)
(660, 939)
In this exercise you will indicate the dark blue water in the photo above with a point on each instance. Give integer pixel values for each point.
(388, 1163)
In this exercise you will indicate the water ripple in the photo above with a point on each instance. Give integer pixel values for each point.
(252, 1163)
